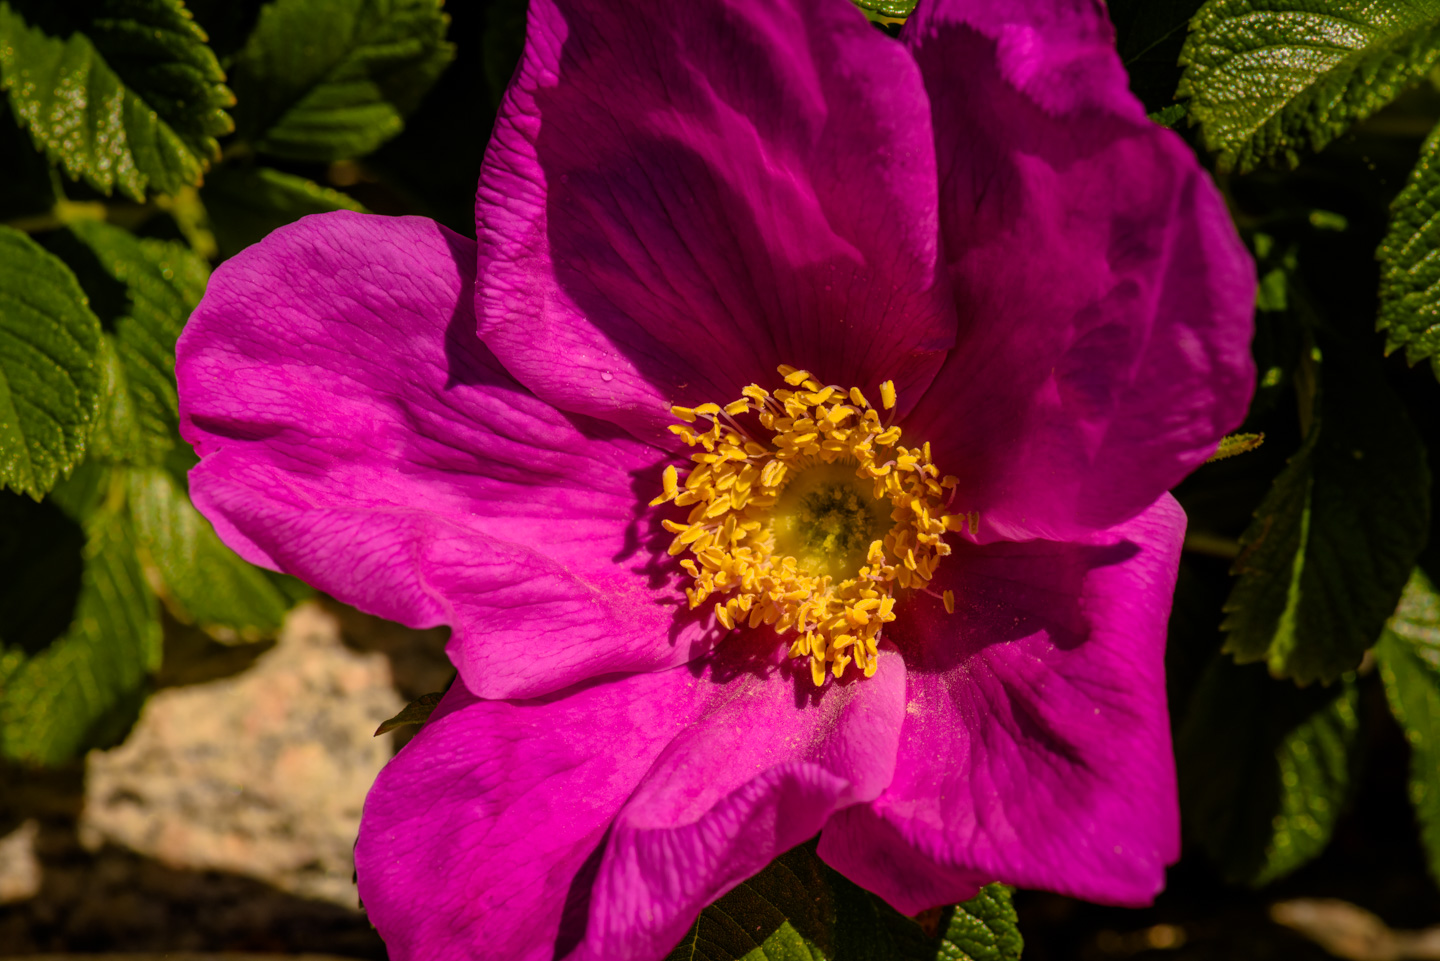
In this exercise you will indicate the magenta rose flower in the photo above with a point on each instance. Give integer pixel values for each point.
(807, 474)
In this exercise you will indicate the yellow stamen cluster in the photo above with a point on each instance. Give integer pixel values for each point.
(737, 481)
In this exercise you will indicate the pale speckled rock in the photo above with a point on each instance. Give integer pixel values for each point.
(19, 865)
(262, 774)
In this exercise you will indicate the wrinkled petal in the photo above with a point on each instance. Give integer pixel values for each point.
(679, 197)
(1036, 748)
(353, 431)
(598, 823)
(1104, 298)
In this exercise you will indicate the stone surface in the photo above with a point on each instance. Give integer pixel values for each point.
(19, 865)
(262, 774)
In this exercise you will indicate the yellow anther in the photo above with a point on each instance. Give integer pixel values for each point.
(670, 483)
(833, 605)
(948, 598)
(796, 377)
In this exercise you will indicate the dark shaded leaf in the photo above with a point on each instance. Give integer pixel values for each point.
(1409, 660)
(85, 689)
(799, 909)
(246, 204)
(325, 80)
(49, 379)
(1265, 768)
(1324, 561)
(1148, 36)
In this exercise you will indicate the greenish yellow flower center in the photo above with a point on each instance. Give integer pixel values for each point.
(826, 518)
(813, 529)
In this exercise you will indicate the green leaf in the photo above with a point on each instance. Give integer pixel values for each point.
(85, 688)
(144, 290)
(1409, 268)
(1265, 768)
(202, 580)
(324, 80)
(1148, 37)
(1268, 79)
(1409, 660)
(122, 93)
(246, 204)
(49, 380)
(799, 909)
(1323, 563)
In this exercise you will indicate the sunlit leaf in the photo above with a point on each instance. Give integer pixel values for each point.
(49, 378)
(1270, 79)
(122, 93)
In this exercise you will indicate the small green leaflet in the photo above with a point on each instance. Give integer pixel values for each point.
(1233, 444)
(1409, 659)
(1268, 79)
(122, 93)
(1323, 563)
(83, 689)
(1265, 768)
(323, 80)
(888, 9)
(417, 711)
(1409, 275)
(202, 580)
(245, 204)
(799, 909)
(49, 379)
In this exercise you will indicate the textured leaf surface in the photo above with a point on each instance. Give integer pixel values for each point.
(246, 204)
(85, 688)
(1265, 768)
(203, 580)
(798, 909)
(143, 290)
(1324, 561)
(49, 379)
(122, 93)
(1409, 659)
(1268, 79)
(324, 80)
(1409, 265)
(897, 9)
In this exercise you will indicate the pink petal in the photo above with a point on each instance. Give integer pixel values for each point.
(604, 819)
(355, 432)
(681, 196)
(1105, 299)
(1036, 748)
